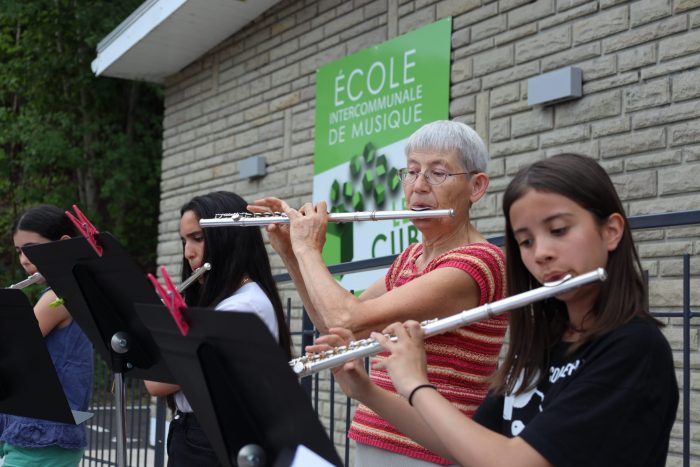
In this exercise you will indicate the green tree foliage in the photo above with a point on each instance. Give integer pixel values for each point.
(68, 137)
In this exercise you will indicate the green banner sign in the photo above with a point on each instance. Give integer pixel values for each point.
(367, 104)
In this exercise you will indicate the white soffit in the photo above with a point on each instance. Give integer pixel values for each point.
(161, 37)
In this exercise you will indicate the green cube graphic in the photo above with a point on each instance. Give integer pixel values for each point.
(355, 165)
(335, 191)
(368, 181)
(381, 167)
(340, 238)
(348, 190)
(369, 153)
(394, 180)
(379, 195)
(358, 202)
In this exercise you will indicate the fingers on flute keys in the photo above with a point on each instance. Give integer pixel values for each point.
(324, 343)
(270, 204)
(414, 330)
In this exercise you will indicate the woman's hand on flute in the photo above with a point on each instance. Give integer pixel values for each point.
(407, 362)
(351, 376)
(308, 227)
(277, 233)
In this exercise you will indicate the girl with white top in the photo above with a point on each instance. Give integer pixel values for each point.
(240, 280)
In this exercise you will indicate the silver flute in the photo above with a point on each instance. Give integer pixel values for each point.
(33, 279)
(310, 364)
(248, 219)
(194, 276)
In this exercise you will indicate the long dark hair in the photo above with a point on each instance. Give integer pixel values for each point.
(621, 298)
(46, 220)
(234, 253)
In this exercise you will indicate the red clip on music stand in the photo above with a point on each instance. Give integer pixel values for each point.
(86, 228)
(171, 299)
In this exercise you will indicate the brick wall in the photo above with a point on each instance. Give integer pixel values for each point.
(640, 114)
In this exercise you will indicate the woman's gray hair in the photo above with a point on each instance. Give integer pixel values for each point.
(450, 136)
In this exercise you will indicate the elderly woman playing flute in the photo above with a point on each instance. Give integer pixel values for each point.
(452, 269)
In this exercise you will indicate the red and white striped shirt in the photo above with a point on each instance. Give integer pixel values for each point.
(459, 362)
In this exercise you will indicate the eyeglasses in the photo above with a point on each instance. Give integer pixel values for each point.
(433, 177)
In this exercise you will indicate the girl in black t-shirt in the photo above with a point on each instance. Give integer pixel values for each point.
(588, 378)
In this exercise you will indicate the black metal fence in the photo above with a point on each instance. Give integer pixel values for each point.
(102, 427)
(146, 424)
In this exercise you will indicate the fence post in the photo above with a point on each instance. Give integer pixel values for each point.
(159, 456)
(307, 338)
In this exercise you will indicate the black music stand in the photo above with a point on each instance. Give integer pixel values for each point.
(29, 385)
(100, 292)
(238, 382)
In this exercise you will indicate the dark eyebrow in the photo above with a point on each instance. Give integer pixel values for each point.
(192, 234)
(558, 215)
(546, 220)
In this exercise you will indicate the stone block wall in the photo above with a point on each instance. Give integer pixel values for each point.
(639, 115)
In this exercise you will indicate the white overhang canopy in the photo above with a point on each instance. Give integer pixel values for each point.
(161, 37)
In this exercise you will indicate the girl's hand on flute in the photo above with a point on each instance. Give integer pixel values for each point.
(277, 233)
(351, 376)
(407, 362)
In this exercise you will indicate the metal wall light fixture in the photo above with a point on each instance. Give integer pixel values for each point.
(556, 86)
(252, 167)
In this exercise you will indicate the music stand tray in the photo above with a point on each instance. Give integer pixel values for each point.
(29, 384)
(238, 382)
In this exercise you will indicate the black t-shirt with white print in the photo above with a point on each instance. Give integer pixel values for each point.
(610, 403)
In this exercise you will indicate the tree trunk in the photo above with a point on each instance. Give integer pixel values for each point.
(89, 193)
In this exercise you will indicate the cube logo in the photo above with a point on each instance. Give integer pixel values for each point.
(371, 180)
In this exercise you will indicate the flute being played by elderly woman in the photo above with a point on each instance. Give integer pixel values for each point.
(452, 269)
(246, 219)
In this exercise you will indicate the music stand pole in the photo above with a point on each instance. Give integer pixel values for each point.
(121, 419)
(120, 345)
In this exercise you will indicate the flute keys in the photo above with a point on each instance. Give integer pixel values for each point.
(355, 344)
(234, 216)
(240, 216)
(257, 215)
